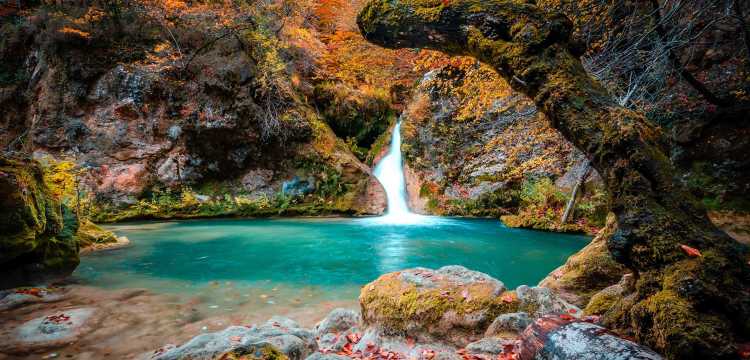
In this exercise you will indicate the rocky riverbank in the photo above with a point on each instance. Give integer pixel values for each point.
(451, 313)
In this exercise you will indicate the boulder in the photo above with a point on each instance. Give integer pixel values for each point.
(508, 324)
(493, 346)
(90, 233)
(321, 356)
(338, 320)
(37, 233)
(260, 351)
(562, 337)
(452, 304)
(340, 327)
(278, 336)
(540, 301)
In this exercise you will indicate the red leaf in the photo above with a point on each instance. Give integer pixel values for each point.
(592, 319)
(508, 298)
(572, 311)
(30, 291)
(566, 317)
(353, 338)
(690, 251)
(428, 354)
(744, 351)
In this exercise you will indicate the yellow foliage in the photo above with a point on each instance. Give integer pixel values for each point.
(67, 30)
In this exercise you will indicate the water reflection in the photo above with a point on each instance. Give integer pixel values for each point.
(392, 251)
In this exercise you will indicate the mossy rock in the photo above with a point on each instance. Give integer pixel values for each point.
(452, 303)
(588, 271)
(90, 233)
(254, 352)
(37, 239)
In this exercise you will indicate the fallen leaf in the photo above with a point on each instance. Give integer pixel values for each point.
(690, 251)
(744, 351)
(592, 319)
(353, 338)
(566, 317)
(347, 349)
(572, 311)
(508, 298)
(30, 291)
(236, 338)
(410, 342)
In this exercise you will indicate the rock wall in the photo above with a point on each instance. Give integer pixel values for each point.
(470, 153)
(37, 233)
(140, 121)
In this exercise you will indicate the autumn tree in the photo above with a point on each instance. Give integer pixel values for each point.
(690, 299)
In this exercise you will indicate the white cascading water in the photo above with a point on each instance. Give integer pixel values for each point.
(390, 173)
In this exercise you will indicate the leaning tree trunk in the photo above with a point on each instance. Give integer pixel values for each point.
(684, 306)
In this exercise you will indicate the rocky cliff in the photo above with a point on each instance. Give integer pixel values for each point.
(474, 151)
(210, 125)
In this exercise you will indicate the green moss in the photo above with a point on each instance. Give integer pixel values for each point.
(359, 117)
(404, 308)
(254, 352)
(601, 302)
(90, 233)
(672, 323)
(33, 225)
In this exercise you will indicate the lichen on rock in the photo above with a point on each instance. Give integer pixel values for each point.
(451, 304)
(37, 232)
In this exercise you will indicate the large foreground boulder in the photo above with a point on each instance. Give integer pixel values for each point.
(37, 233)
(451, 304)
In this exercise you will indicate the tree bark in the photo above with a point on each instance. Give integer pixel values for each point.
(685, 307)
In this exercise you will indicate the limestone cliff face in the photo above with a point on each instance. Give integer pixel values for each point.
(476, 165)
(140, 121)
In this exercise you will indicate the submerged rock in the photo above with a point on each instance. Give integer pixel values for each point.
(49, 331)
(14, 298)
(278, 336)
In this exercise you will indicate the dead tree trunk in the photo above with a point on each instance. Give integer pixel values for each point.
(687, 307)
(574, 195)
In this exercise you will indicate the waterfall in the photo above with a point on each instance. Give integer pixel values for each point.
(390, 173)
